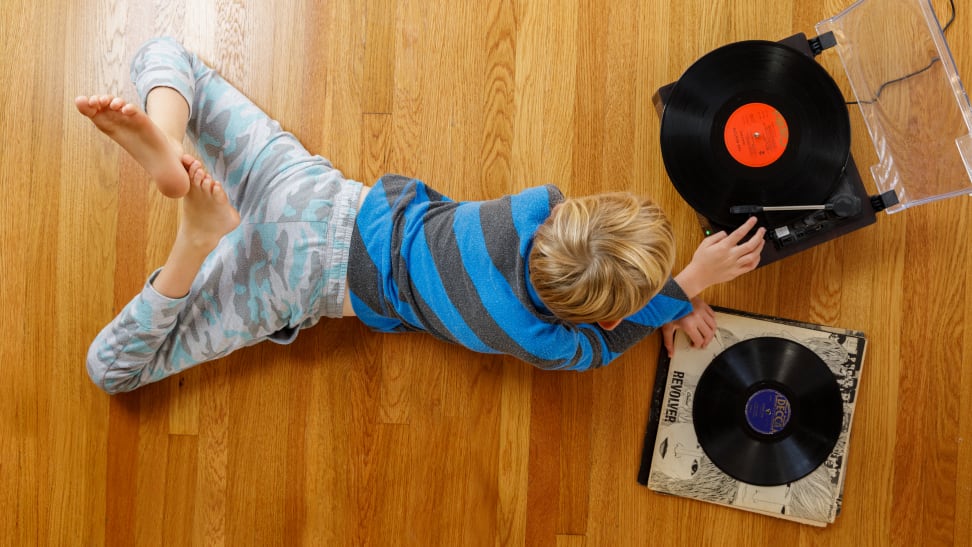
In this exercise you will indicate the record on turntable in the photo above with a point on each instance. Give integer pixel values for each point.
(760, 128)
(754, 123)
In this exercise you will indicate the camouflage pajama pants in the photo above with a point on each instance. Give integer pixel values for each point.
(282, 270)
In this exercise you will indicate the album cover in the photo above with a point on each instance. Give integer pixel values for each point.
(674, 463)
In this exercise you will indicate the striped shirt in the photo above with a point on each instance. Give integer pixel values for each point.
(458, 270)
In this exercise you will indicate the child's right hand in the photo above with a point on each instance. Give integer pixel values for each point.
(721, 257)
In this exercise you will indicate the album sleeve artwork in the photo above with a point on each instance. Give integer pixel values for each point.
(679, 466)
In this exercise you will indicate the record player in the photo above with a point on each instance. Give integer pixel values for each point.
(760, 128)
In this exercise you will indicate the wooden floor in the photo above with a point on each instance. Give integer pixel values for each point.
(352, 438)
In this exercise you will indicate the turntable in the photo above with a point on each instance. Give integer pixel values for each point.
(760, 128)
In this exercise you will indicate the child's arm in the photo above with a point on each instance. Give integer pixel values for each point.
(720, 258)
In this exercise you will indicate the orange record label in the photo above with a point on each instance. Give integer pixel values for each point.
(756, 134)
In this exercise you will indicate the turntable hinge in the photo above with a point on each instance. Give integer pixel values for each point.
(822, 42)
(881, 202)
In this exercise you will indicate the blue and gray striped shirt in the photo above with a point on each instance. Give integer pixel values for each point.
(458, 270)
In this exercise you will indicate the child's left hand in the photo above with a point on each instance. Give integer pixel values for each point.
(699, 326)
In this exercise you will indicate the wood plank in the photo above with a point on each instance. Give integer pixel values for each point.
(379, 62)
(543, 494)
(22, 397)
(514, 455)
(180, 489)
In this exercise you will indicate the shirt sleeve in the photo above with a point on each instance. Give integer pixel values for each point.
(670, 304)
(597, 347)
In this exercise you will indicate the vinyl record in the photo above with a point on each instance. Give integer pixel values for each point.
(754, 123)
(767, 411)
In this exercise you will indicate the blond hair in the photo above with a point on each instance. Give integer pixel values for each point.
(602, 257)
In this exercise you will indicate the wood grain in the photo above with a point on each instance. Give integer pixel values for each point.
(347, 437)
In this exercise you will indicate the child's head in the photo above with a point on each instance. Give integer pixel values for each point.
(601, 258)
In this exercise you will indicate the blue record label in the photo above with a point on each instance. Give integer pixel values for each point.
(768, 411)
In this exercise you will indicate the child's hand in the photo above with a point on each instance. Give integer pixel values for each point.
(724, 258)
(699, 326)
(720, 258)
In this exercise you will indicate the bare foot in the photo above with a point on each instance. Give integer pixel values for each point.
(207, 216)
(130, 127)
(207, 213)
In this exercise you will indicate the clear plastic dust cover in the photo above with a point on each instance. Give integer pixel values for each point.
(914, 104)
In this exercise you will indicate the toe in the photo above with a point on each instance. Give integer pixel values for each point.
(83, 107)
(198, 174)
(219, 194)
(116, 104)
